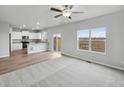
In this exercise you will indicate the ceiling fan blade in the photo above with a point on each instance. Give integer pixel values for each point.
(57, 16)
(77, 12)
(69, 17)
(55, 9)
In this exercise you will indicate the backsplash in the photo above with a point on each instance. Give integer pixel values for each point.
(30, 40)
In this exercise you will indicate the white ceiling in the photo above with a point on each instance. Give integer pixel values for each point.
(30, 15)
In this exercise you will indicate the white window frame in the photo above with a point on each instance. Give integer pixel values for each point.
(90, 50)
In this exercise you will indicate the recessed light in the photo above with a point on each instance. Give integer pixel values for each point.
(24, 25)
(38, 23)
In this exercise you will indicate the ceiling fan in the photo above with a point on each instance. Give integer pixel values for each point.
(66, 12)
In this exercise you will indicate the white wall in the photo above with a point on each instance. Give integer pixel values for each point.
(4, 39)
(115, 39)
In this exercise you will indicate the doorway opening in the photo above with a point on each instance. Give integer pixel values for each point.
(57, 42)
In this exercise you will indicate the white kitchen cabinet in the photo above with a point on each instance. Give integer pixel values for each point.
(39, 35)
(25, 33)
(43, 35)
(16, 46)
(34, 35)
(16, 35)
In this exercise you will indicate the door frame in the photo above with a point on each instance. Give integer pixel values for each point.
(53, 40)
(10, 43)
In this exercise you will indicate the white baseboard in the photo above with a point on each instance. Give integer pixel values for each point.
(92, 61)
(4, 56)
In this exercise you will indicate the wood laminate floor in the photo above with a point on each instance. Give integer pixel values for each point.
(20, 59)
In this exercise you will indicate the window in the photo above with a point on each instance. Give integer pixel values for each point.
(83, 38)
(98, 37)
(92, 39)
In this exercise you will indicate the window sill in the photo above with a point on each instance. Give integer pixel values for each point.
(102, 53)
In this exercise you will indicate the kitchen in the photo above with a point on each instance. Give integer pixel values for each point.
(32, 41)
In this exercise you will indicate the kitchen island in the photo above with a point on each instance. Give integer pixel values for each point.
(37, 47)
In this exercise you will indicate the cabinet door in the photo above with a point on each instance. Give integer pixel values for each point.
(38, 35)
(25, 33)
(16, 35)
(34, 36)
(16, 46)
(44, 35)
(31, 36)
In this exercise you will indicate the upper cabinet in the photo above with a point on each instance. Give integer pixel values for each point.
(25, 33)
(43, 35)
(34, 35)
(16, 35)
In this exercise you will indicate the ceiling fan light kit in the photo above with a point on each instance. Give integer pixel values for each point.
(66, 12)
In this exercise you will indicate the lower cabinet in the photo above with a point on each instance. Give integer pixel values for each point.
(16, 46)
